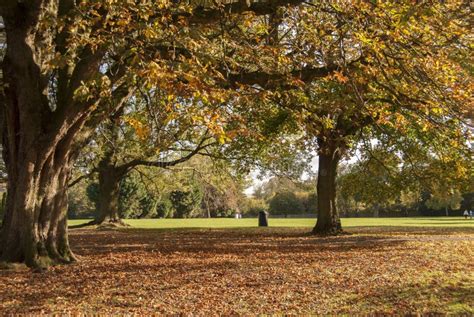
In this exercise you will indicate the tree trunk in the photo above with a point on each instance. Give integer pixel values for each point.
(42, 130)
(41, 140)
(109, 195)
(376, 211)
(34, 229)
(110, 178)
(208, 211)
(328, 222)
(38, 159)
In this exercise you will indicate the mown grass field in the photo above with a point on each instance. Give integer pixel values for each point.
(403, 266)
(293, 223)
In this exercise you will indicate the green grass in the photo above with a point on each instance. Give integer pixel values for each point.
(303, 223)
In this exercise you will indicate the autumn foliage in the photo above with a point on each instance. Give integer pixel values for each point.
(250, 271)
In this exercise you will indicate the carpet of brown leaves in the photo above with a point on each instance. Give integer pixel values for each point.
(250, 271)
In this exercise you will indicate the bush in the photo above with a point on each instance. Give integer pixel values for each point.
(286, 203)
(131, 194)
(253, 206)
(310, 202)
(164, 209)
(148, 206)
(80, 206)
(93, 194)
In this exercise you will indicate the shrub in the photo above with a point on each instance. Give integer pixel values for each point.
(286, 203)
(253, 206)
(164, 209)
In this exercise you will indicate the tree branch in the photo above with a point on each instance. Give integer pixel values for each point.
(207, 15)
(281, 80)
(138, 162)
(81, 178)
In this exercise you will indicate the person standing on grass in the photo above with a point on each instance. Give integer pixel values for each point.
(471, 213)
(466, 213)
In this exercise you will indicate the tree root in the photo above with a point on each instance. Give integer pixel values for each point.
(112, 224)
(106, 224)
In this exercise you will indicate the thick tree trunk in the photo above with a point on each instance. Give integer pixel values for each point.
(42, 130)
(328, 222)
(40, 143)
(110, 178)
(34, 230)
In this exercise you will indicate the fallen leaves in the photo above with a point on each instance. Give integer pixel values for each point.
(250, 271)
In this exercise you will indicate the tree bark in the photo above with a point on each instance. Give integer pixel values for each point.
(376, 211)
(34, 225)
(34, 230)
(329, 222)
(39, 145)
(110, 178)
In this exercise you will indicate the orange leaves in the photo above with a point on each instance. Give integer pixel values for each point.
(250, 272)
(140, 128)
(340, 77)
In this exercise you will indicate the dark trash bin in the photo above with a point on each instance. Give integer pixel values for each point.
(263, 219)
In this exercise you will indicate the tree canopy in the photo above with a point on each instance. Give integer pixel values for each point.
(270, 79)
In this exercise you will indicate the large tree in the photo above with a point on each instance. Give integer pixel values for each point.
(392, 70)
(408, 83)
(70, 64)
(146, 136)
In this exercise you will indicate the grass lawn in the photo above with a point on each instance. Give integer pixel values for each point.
(402, 266)
(288, 222)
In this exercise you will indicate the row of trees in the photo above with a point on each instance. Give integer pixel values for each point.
(377, 184)
(253, 82)
(197, 188)
(385, 183)
(284, 196)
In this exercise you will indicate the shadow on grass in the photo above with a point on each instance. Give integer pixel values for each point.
(435, 299)
(415, 230)
(243, 241)
(192, 255)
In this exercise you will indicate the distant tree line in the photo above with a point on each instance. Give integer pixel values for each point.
(380, 183)
(284, 197)
(198, 189)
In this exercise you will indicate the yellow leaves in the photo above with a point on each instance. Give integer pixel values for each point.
(141, 129)
(222, 138)
(327, 123)
(123, 22)
(82, 92)
(282, 59)
(437, 111)
(154, 70)
(363, 38)
(150, 33)
(162, 4)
